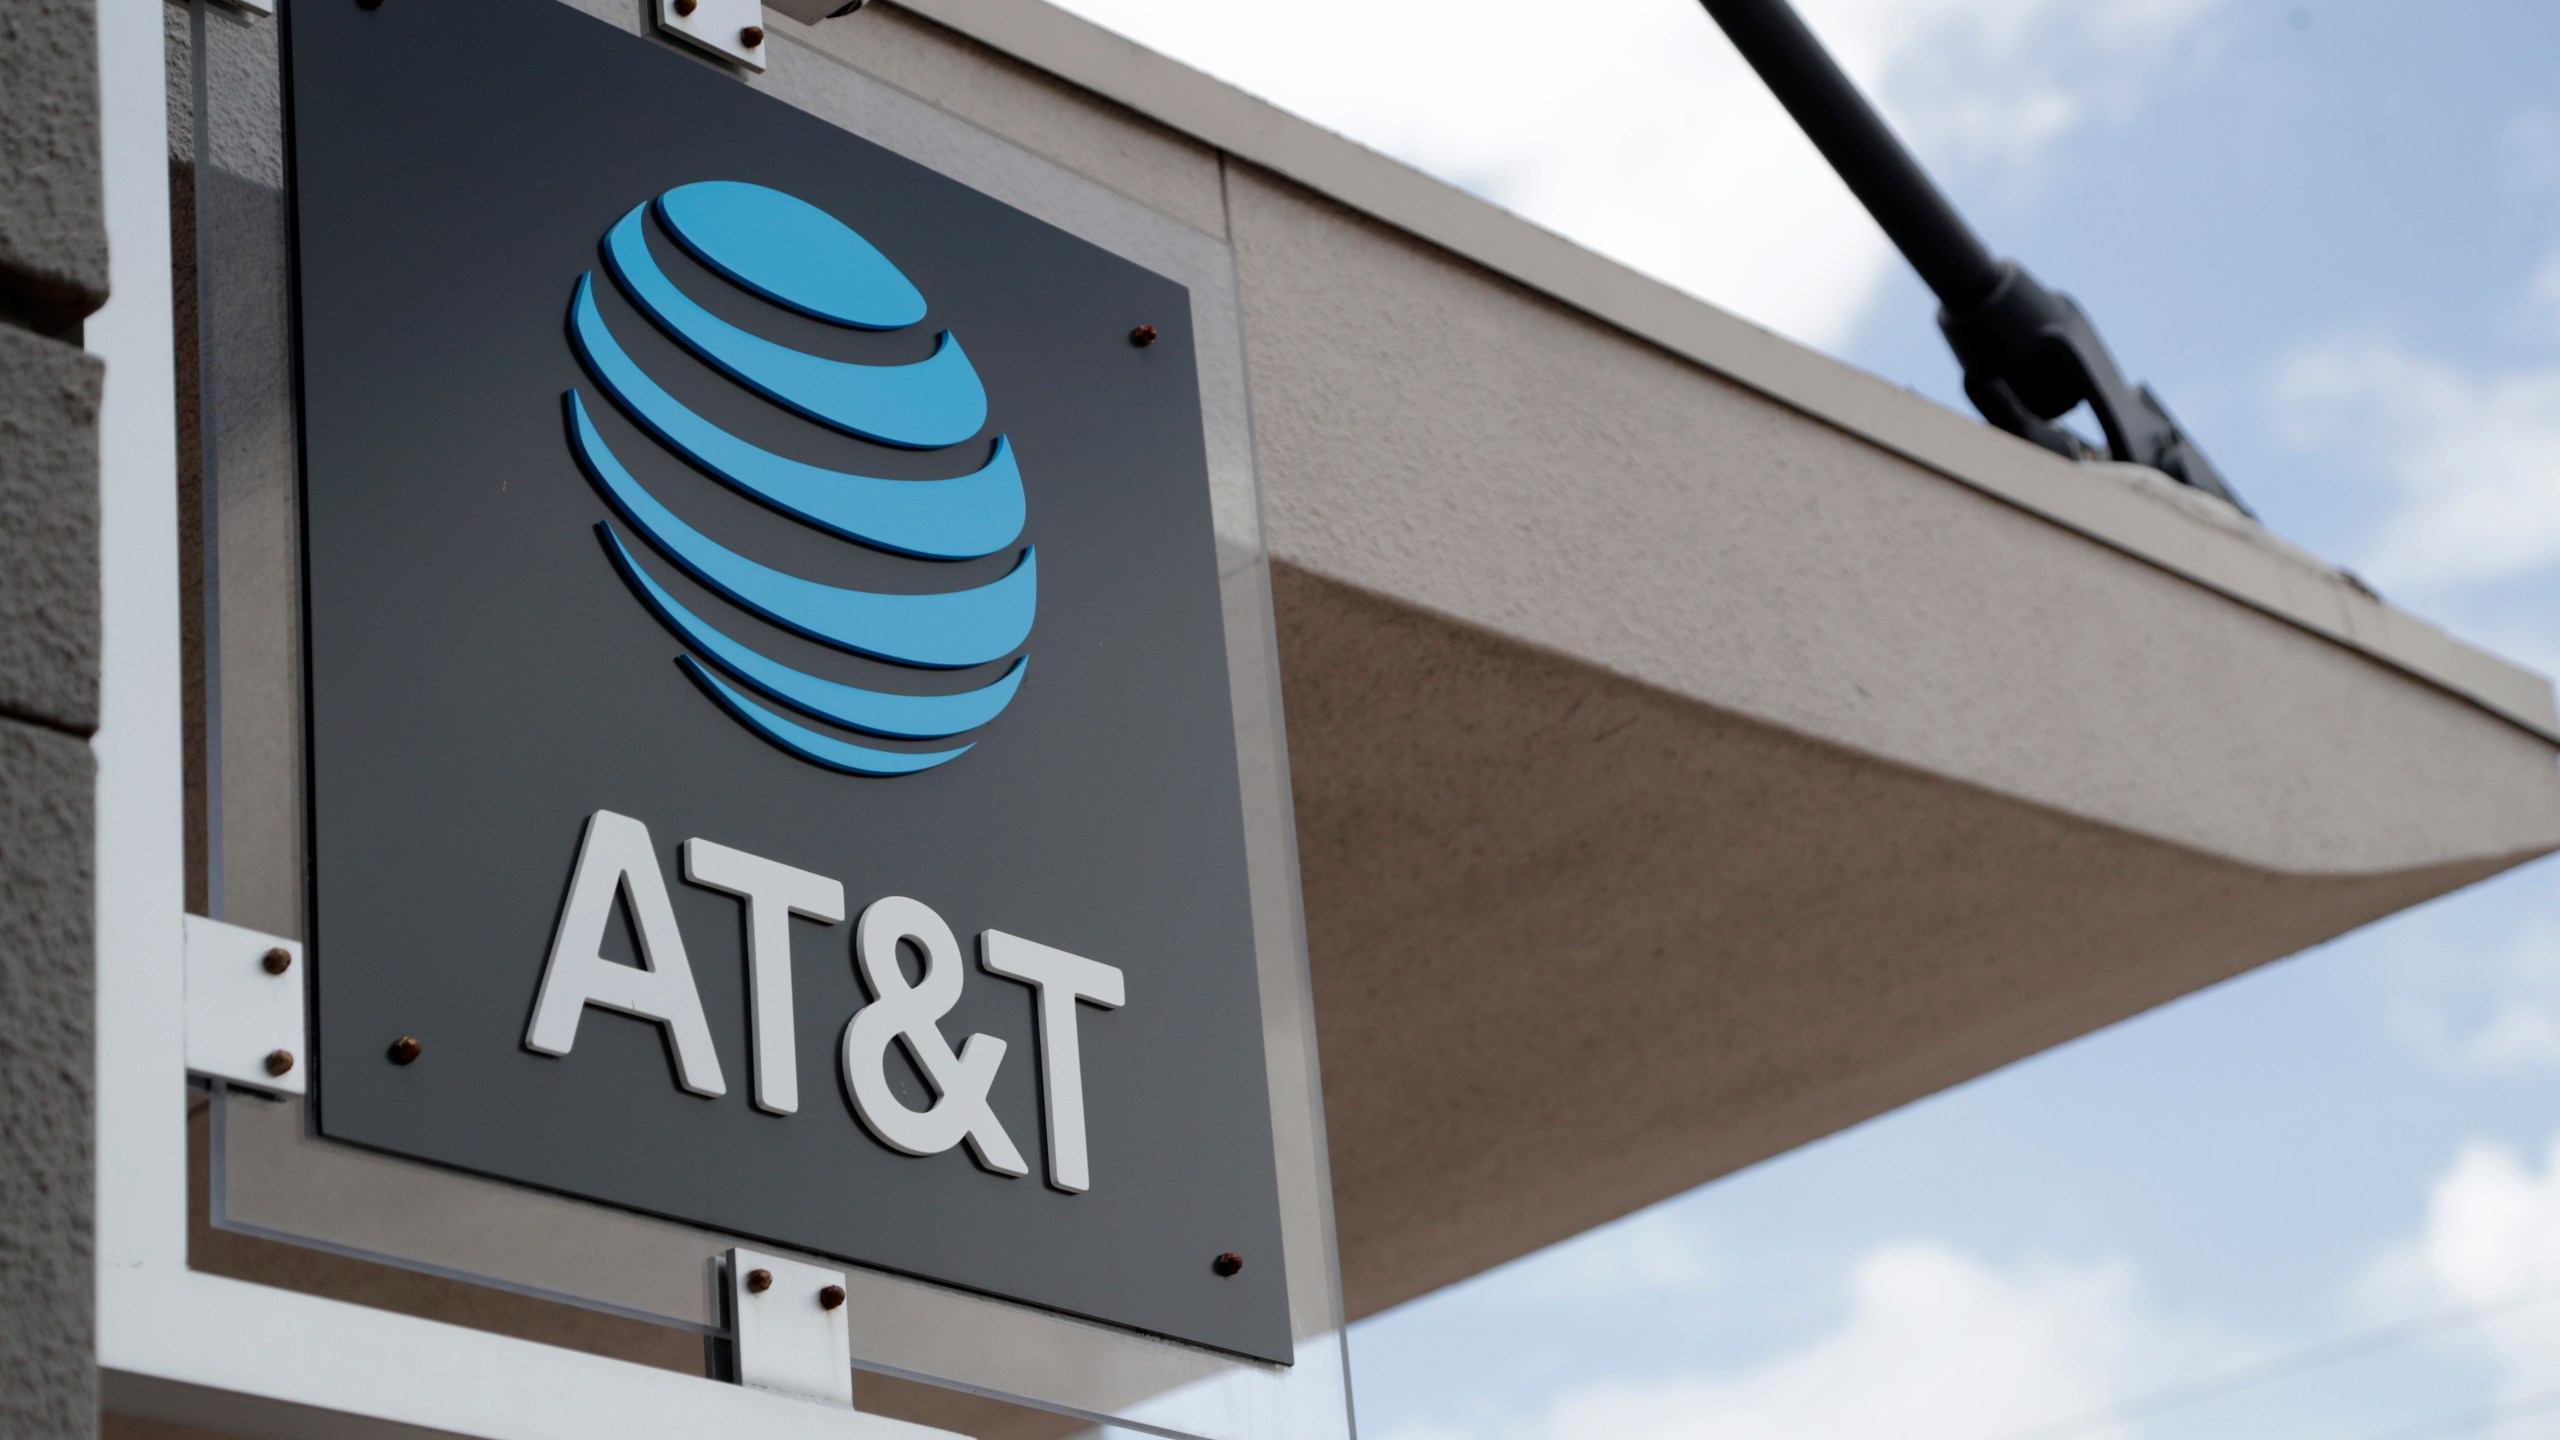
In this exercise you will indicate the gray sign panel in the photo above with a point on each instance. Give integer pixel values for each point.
(770, 741)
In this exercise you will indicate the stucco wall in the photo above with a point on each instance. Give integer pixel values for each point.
(53, 229)
(53, 268)
(1699, 746)
(1433, 432)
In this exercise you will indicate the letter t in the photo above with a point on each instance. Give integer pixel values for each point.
(774, 892)
(1059, 980)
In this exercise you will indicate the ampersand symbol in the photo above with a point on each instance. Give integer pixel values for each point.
(910, 1015)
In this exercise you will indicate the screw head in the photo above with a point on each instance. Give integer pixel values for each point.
(1143, 336)
(831, 1298)
(752, 36)
(277, 961)
(279, 1061)
(682, 8)
(406, 1049)
(759, 1281)
(1227, 1264)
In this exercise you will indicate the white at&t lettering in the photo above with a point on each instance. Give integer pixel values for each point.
(617, 860)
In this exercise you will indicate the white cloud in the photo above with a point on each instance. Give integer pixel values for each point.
(1636, 130)
(2474, 459)
(2520, 1031)
(2520, 1036)
(2492, 1232)
(1938, 1345)
(2471, 457)
(2542, 293)
(1653, 1252)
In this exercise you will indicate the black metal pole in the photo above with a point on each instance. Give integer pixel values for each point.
(2029, 354)
(1878, 168)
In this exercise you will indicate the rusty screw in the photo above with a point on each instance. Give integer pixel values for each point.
(278, 961)
(1227, 1264)
(682, 8)
(405, 1049)
(759, 1281)
(752, 36)
(831, 1298)
(279, 1061)
(1143, 336)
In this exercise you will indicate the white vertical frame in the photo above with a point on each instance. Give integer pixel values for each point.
(173, 1343)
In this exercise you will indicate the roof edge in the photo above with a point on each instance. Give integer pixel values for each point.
(2141, 517)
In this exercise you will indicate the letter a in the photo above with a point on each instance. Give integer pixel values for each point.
(616, 856)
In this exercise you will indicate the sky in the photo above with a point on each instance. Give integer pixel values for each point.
(2322, 1200)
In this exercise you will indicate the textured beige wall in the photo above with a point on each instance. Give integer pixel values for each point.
(2228, 555)
(1581, 944)
(1682, 776)
(1680, 780)
(1432, 432)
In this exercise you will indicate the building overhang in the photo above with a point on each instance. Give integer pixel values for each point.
(1699, 745)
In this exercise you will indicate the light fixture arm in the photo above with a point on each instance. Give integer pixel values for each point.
(2029, 354)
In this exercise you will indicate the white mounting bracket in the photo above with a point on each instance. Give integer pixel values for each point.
(246, 1022)
(734, 28)
(793, 1334)
(254, 7)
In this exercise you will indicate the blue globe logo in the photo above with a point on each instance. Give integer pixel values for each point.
(788, 251)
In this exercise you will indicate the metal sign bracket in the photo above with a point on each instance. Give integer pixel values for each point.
(730, 28)
(246, 1018)
(793, 1336)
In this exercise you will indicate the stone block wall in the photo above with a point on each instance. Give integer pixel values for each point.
(53, 274)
